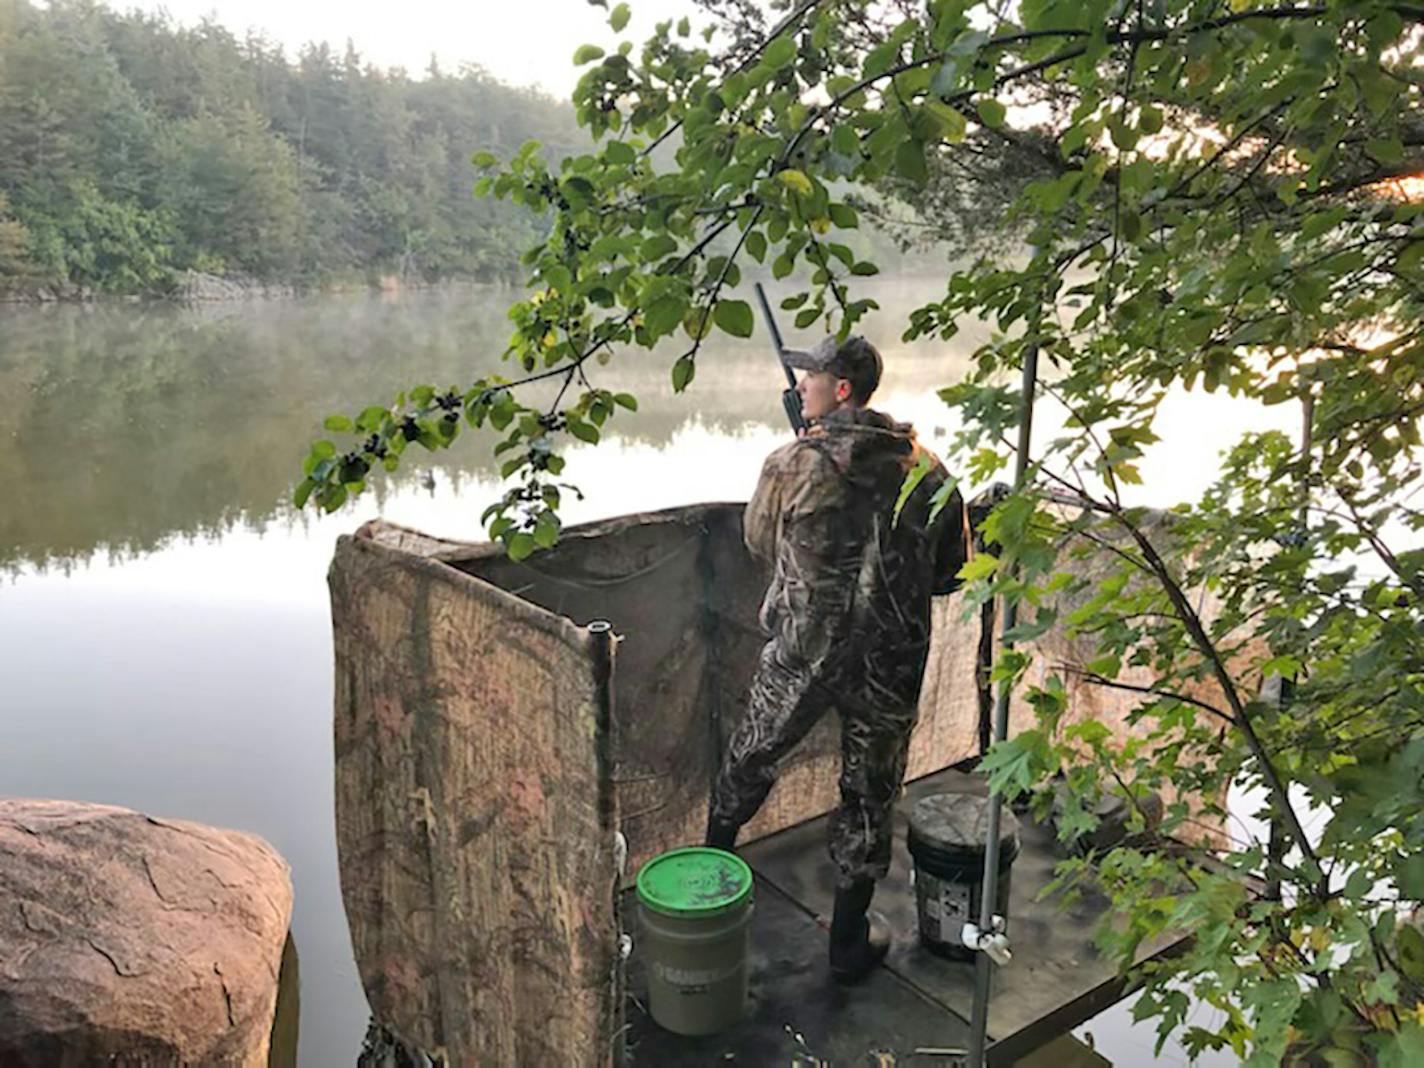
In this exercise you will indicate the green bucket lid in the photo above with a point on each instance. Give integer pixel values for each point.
(697, 881)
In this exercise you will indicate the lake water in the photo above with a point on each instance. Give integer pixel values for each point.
(163, 611)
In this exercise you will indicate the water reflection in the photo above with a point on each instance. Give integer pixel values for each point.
(286, 1019)
(126, 425)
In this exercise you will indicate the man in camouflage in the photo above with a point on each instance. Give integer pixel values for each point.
(848, 618)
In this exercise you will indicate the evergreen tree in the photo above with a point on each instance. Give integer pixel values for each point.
(132, 149)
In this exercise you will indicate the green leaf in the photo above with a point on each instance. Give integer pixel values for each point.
(1389, 150)
(626, 400)
(546, 530)
(950, 123)
(1013, 766)
(619, 18)
(910, 162)
(844, 216)
(682, 373)
(584, 431)
(1109, 666)
(780, 52)
(796, 181)
(1409, 876)
(372, 417)
(332, 497)
(845, 141)
(663, 315)
(1408, 1044)
(982, 566)
(1028, 630)
(1284, 665)
(734, 316)
(697, 324)
(880, 59)
(923, 467)
(338, 424)
(1074, 138)
(756, 245)
(1411, 953)
(1123, 135)
(658, 246)
(620, 153)
(991, 112)
(946, 79)
(864, 268)
(806, 316)
(521, 545)
(587, 54)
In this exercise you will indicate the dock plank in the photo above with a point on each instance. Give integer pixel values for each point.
(791, 992)
(1057, 978)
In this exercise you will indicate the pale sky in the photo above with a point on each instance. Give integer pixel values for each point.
(523, 42)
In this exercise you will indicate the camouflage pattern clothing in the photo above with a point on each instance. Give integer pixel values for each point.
(848, 615)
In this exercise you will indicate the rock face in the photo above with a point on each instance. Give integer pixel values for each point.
(130, 940)
(195, 286)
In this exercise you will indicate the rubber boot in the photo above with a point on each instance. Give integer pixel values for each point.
(721, 835)
(857, 943)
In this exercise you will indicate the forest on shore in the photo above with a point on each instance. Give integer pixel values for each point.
(134, 150)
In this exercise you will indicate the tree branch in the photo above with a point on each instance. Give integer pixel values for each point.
(1188, 615)
(1113, 684)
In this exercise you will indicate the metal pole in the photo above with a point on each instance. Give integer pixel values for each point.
(1276, 845)
(983, 965)
(602, 647)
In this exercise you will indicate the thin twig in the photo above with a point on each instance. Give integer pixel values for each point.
(1157, 691)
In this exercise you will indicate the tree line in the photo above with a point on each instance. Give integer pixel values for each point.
(134, 149)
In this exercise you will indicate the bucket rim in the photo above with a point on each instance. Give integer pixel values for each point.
(925, 853)
(650, 896)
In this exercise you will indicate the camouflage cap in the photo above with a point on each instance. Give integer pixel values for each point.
(853, 359)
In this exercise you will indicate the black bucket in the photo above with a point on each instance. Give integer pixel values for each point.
(948, 833)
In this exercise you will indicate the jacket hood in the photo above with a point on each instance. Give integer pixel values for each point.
(866, 446)
(865, 431)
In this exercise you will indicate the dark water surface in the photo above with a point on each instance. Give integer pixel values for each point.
(163, 613)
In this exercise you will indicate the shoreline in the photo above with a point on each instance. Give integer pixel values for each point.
(195, 288)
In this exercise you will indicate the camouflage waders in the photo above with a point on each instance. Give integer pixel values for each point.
(848, 614)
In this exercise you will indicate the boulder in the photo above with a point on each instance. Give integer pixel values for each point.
(126, 939)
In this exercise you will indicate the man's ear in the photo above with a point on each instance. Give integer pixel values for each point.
(843, 390)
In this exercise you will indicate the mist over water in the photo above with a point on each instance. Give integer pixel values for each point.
(126, 425)
(163, 609)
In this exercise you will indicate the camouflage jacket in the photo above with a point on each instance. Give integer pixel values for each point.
(845, 573)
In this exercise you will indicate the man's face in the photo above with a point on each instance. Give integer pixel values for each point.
(821, 393)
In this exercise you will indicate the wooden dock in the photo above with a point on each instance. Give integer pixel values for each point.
(914, 1010)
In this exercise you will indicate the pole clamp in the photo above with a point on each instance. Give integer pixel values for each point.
(994, 941)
